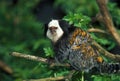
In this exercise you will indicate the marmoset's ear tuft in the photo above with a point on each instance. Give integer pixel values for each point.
(66, 26)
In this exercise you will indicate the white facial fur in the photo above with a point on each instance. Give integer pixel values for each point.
(58, 32)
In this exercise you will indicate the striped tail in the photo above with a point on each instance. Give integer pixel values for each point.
(110, 68)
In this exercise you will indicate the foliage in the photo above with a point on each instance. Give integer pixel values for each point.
(22, 32)
(48, 52)
(111, 77)
(78, 19)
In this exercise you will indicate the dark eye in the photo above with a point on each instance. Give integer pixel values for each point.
(55, 28)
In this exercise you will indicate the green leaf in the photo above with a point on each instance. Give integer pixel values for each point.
(78, 19)
(48, 52)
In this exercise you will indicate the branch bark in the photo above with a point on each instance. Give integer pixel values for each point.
(96, 30)
(48, 79)
(51, 62)
(30, 57)
(115, 57)
(107, 20)
(5, 67)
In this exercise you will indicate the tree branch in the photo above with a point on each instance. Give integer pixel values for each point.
(107, 20)
(51, 62)
(67, 77)
(115, 57)
(48, 79)
(47, 61)
(30, 57)
(5, 67)
(96, 30)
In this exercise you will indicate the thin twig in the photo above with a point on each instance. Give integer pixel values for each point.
(107, 20)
